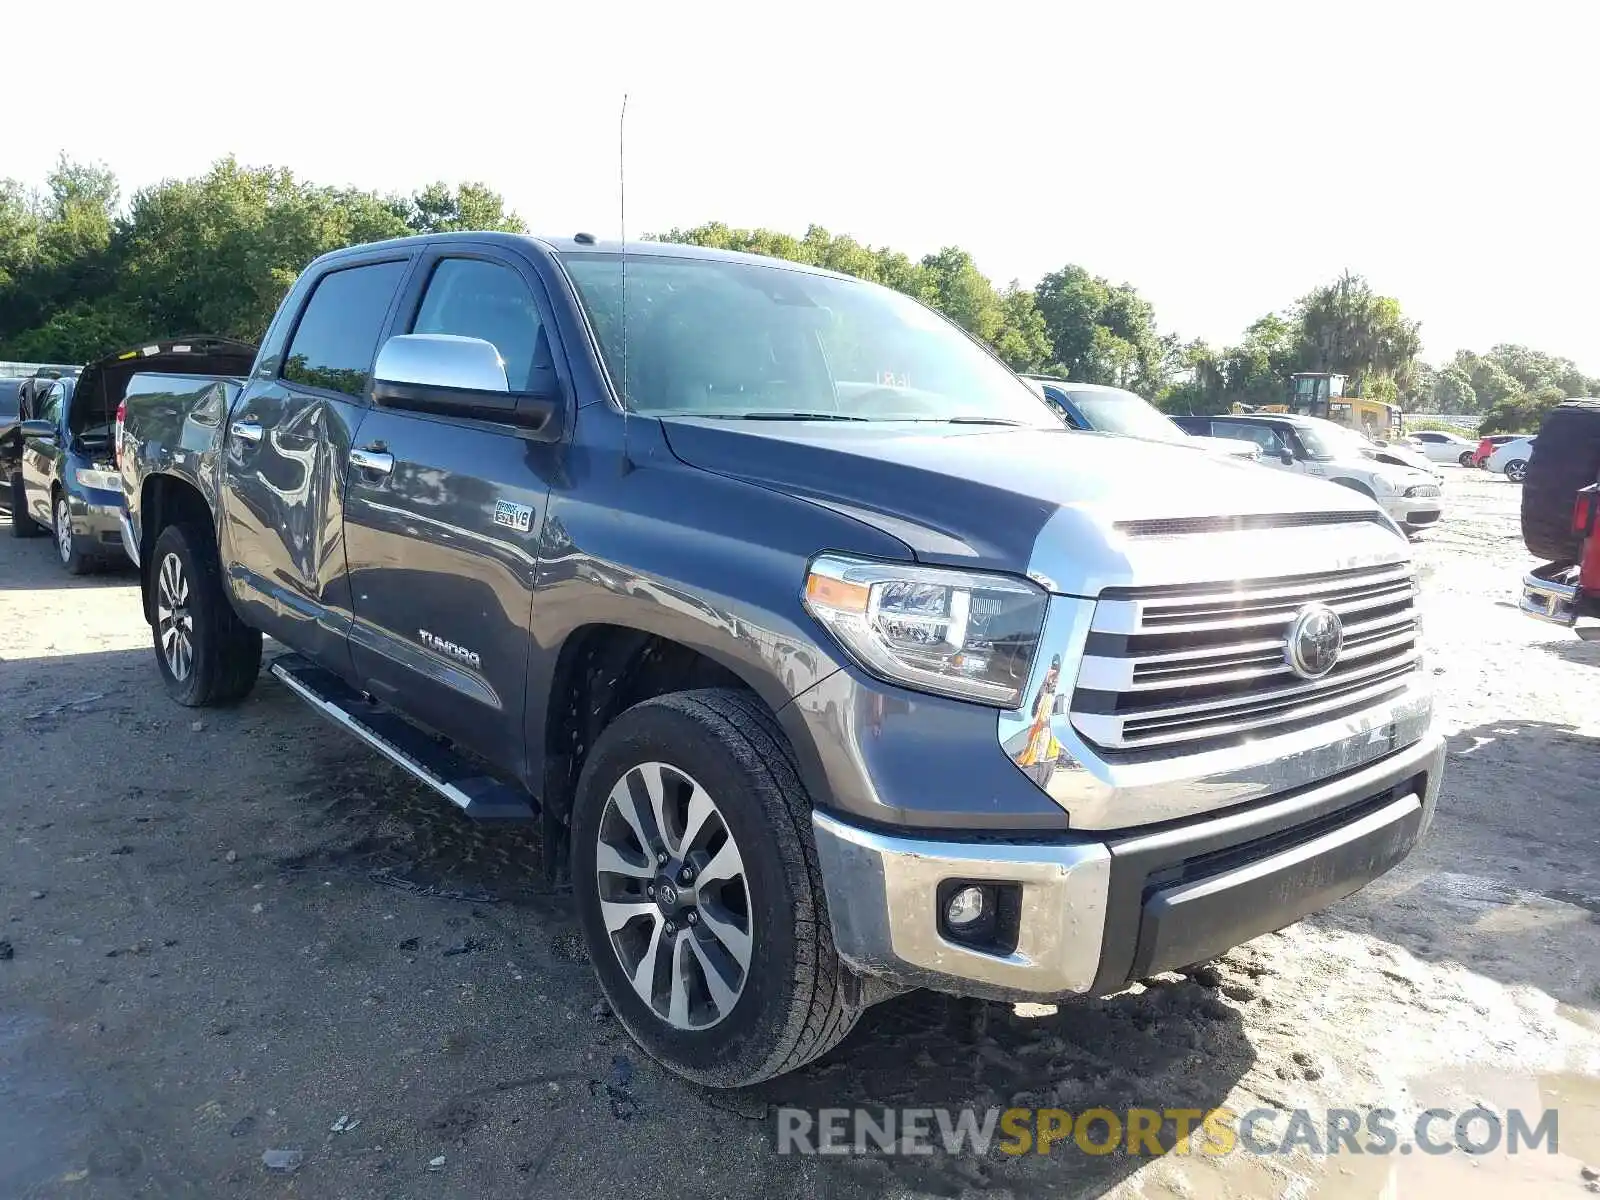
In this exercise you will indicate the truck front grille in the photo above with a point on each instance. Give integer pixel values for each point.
(1209, 662)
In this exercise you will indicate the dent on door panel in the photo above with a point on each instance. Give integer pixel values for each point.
(283, 525)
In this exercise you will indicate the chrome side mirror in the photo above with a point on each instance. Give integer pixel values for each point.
(464, 376)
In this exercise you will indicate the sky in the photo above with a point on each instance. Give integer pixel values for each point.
(1223, 158)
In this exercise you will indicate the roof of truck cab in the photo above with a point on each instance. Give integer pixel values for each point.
(560, 246)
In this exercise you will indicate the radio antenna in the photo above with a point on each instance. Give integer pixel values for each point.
(622, 222)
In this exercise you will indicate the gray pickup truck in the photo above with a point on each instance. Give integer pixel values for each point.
(831, 662)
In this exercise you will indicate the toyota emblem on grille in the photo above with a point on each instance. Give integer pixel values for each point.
(1315, 639)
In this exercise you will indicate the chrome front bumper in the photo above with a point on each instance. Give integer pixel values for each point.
(1550, 593)
(1097, 913)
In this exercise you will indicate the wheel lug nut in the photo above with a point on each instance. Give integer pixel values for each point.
(650, 890)
(671, 928)
(686, 875)
(691, 917)
(661, 860)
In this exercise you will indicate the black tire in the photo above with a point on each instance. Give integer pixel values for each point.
(22, 525)
(225, 654)
(1565, 457)
(798, 1000)
(1517, 471)
(68, 546)
(1466, 458)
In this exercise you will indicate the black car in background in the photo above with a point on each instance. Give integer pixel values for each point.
(68, 481)
(20, 397)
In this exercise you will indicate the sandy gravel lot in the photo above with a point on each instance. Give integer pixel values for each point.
(231, 930)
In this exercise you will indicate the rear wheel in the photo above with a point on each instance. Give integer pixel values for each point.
(72, 556)
(1467, 458)
(1517, 470)
(22, 525)
(699, 893)
(205, 653)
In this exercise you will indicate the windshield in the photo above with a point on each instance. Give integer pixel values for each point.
(1324, 443)
(1116, 411)
(713, 338)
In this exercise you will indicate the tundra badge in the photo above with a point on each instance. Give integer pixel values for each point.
(460, 653)
(513, 516)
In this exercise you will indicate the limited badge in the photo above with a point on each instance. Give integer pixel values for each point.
(513, 516)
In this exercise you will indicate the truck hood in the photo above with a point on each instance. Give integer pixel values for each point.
(1076, 510)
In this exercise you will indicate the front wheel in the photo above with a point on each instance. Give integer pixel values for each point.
(72, 556)
(1517, 470)
(205, 653)
(699, 893)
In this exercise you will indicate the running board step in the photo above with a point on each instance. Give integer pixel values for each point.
(402, 743)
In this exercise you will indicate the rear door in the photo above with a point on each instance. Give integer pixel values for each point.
(286, 446)
(443, 521)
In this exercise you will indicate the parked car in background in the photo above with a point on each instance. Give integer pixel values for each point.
(1308, 446)
(1396, 454)
(1106, 409)
(1511, 459)
(20, 396)
(1443, 447)
(1488, 445)
(888, 680)
(1561, 518)
(10, 436)
(68, 475)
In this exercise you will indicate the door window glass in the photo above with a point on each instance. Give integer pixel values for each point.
(472, 298)
(336, 339)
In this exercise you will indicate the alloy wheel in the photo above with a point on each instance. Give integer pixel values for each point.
(674, 896)
(174, 623)
(1516, 471)
(63, 530)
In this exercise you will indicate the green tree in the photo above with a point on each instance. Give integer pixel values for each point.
(1348, 328)
(1453, 392)
(438, 208)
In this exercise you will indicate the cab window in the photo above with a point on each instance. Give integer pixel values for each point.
(337, 338)
(469, 297)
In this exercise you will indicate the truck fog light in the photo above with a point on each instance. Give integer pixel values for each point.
(965, 908)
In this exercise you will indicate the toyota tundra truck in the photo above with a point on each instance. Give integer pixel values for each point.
(830, 662)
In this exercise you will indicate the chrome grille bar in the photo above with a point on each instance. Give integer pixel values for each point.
(1171, 665)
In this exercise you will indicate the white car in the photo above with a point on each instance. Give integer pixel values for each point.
(1443, 447)
(1107, 409)
(1511, 459)
(1308, 446)
(1396, 454)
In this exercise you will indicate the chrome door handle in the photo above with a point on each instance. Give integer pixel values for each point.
(247, 431)
(372, 460)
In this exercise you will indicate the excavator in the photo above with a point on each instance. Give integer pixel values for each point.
(1322, 394)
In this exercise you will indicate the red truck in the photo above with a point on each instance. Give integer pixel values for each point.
(1569, 594)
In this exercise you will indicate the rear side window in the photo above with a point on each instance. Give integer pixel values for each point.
(472, 298)
(337, 337)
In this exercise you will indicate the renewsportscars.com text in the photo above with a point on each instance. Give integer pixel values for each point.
(1158, 1131)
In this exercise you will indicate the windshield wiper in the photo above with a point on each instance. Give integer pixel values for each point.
(784, 416)
(985, 421)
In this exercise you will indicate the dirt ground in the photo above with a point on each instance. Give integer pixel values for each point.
(232, 931)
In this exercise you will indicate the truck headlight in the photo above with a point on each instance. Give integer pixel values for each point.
(967, 634)
(103, 481)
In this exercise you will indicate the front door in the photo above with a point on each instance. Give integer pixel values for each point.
(285, 448)
(42, 457)
(443, 520)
